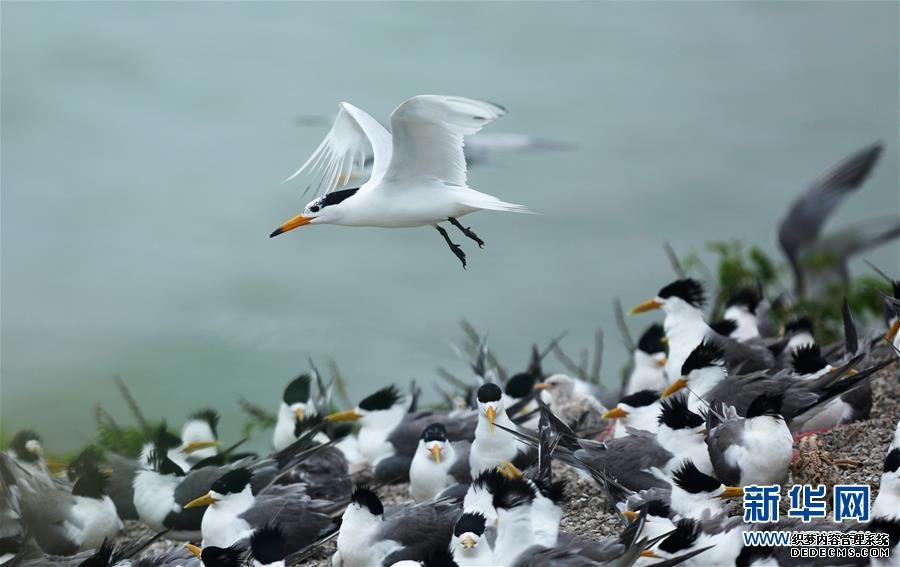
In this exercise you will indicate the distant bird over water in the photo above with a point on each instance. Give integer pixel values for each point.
(418, 172)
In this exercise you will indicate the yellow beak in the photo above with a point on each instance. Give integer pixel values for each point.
(674, 387)
(509, 470)
(347, 415)
(615, 413)
(468, 542)
(662, 362)
(541, 386)
(193, 549)
(631, 515)
(491, 414)
(205, 500)
(299, 413)
(648, 305)
(295, 222)
(650, 553)
(56, 467)
(892, 332)
(732, 492)
(197, 445)
(436, 453)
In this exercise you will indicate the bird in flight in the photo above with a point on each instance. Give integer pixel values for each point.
(418, 172)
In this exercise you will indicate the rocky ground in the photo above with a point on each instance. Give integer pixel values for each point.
(864, 443)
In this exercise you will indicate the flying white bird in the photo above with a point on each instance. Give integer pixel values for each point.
(418, 172)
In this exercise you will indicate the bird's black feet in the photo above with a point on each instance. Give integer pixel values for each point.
(467, 230)
(455, 248)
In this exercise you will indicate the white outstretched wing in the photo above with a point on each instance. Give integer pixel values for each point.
(342, 154)
(428, 135)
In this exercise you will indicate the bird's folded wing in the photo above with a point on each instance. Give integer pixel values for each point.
(428, 135)
(343, 152)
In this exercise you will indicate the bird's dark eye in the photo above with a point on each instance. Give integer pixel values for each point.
(314, 208)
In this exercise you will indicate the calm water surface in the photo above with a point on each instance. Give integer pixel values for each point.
(144, 144)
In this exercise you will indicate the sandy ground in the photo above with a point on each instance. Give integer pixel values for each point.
(587, 512)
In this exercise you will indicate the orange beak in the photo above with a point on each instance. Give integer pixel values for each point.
(436, 453)
(892, 332)
(674, 387)
(491, 414)
(631, 515)
(541, 386)
(615, 413)
(295, 222)
(648, 305)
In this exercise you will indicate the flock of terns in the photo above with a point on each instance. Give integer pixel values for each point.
(708, 408)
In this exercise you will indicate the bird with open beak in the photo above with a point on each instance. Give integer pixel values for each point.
(437, 463)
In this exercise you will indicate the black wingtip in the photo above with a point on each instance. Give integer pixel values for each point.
(276, 232)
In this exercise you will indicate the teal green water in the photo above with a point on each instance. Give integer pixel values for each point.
(143, 145)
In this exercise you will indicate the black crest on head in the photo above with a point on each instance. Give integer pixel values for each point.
(689, 478)
(210, 416)
(165, 440)
(489, 480)
(89, 458)
(267, 545)
(470, 522)
(684, 536)
(765, 404)
(434, 432)
(521, 385)
(707, 354)
(489, 393)
(640, 399)
(307, 424)
(807, 359)
(91, 483)
(297, 391)
(658, 508)
(724, 327)
(797, 325)
(676, 415)
(892, 461)
(744, 298)
(20, 441)
(687, 289)
(365, 497)
(221, 556)
(383, 399)
(160, 462)
(512, 493)
(232, 482)
(651, 341)
(336, 197)
(555, 491)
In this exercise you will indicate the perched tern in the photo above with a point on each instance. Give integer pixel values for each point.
(437, 463)
(296, 405)
(494, 445)
(233, 512)
(686, 328)
(638, 410)
(369, 537)
(418, 172)
(63, 519)
(470, 544)
(754, 449)
(695, 494)
(389, 434)
(649, 359)
(741, 308)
